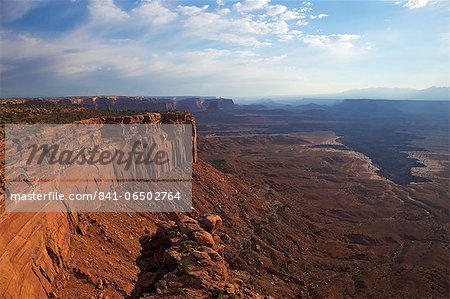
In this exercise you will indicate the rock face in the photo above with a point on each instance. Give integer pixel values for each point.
(183, 259)
(170, 117)
(34, 247)
(33, 251)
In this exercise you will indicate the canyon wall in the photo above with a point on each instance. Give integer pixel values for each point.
(133, 103)
(35, 247)
(169, 117)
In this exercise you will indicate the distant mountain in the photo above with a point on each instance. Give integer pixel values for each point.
(376, 93)
(432, 93)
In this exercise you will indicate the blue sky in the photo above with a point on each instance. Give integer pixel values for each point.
(221, 48)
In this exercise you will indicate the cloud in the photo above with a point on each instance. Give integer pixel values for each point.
(146, 12)
(212, 44)
(276, 23)
(14, 10)
(265, 60)
(319, 16)
(250, 5)
(97, 46)
(301, 23)
(412, 4)
(216, 27)
(367, 46)
(274, 10)
(154, 12)
(67, 57)
(293, 14)
(223, 11)
(191, 10)
(106, 10)
(336, 44)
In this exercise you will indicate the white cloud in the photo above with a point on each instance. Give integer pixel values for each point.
(264, 60)
(412, 4)
(280, 27)
(192, 10)
(245, 53)
(250, 5)
(121, 43)
(212, 26)
(106, 10)
(134, 56)
(154, 12)
(335, 44)
(248, 30)
(223, 11)
(239, 40)
(294, 14)
(146, 12)
(276, 23)
(319, 16)
(368, 46)
(273, 10)
(301, 23)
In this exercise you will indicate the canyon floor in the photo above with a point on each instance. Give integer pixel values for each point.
(342, 229)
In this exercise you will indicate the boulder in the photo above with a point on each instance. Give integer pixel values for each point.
(211, 222)
(203, 238)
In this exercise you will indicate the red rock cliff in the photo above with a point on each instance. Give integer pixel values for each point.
(34, 247)
(153, 118)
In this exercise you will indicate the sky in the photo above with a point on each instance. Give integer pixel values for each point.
(220, 48)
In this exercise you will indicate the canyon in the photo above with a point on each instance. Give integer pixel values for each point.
(307, 203)
(35, 247)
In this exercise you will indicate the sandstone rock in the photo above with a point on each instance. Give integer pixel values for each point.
(44, 239)
(211, 223)
(163, 228)
(180, 261)
(188, 228)
(203, 238)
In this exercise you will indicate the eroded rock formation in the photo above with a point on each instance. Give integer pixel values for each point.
(183, 259)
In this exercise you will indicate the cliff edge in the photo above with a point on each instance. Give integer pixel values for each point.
(35, 247)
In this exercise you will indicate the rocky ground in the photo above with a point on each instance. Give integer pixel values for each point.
(339, 229)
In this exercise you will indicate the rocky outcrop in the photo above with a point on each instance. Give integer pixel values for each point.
(184, 259)
(222, 104)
